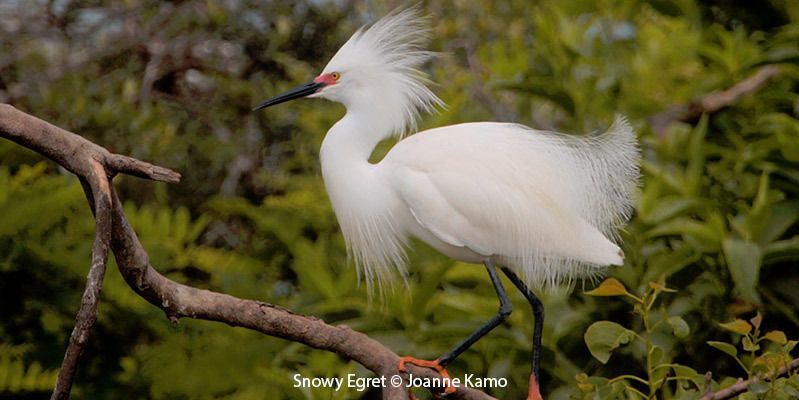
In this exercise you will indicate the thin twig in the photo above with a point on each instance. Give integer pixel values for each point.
(98, 192)
(713, 101)
(743, 385)
(141, 169)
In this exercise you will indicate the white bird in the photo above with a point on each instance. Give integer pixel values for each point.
(541, 204)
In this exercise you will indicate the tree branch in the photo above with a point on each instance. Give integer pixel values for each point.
(71, 151)
(711, 102)
(95, 165)
(97, 189)
(743, 385)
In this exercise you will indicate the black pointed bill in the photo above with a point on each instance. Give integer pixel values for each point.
(296, 93)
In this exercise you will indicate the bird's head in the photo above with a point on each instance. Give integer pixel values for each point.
(377, 71)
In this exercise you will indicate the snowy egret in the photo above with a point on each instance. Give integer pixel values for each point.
(541, 204)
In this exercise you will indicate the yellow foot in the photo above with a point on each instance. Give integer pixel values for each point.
(533, 393)
(427, 364)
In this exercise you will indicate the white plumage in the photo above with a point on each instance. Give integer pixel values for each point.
(543, 203)
(537, 201)
(379, 66)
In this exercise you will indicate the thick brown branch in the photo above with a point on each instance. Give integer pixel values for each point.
(743, 385)
(179, 300)
(84, 158)
(97, 188)
(711, 102)
(70, 150)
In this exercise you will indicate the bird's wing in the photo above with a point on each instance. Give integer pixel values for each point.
(458, 221)
(493, 197)
(473, 211)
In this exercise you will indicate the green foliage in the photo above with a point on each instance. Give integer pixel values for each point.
(759, 361)
(666, 379)
(17, 377)
(659, 336)
(604, 336)
(173, 82)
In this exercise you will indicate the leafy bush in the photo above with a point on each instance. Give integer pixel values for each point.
(660, 335)
(16, 377)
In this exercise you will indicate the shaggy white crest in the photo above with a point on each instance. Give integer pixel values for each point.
(380, 66)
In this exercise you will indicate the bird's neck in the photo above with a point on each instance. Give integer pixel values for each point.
(352, 182)
(351, 141)
(365, 205)
(361, 197)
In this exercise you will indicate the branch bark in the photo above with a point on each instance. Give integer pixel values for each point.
(743, 385)
(96, 166)
(711, 102)
(97, 189)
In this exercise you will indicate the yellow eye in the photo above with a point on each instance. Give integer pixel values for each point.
(335, 76)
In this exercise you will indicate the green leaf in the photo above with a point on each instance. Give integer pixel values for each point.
(776, 337)
(725, 347)
(608, 287)
(748, 345)
(787, 130)
(670, 262)
(656, 355)
(781, 217)
(689, 228)
(696, 158)
(668, 207)
(684, 372)
(743, 260)
(792, 392)
(679, 327)
(758, 387)
(747, 396)
(603, 337)
(781, 250)
(738, 326)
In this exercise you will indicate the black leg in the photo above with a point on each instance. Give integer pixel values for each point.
(538, 314)
(505, 309)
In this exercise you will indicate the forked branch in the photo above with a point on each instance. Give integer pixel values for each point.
(95, 167)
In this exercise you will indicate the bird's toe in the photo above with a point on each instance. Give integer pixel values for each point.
(434, 364)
